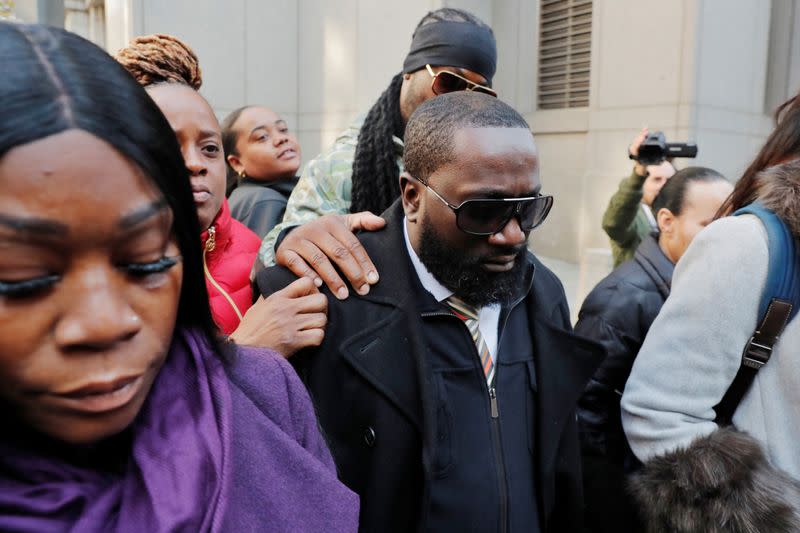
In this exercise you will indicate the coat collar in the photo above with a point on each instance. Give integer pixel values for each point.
(655, 264)
(387, 249)
(282, 186)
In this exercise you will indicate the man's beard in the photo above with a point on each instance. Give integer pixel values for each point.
(464, 274)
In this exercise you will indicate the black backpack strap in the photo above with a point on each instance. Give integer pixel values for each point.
(756, 354)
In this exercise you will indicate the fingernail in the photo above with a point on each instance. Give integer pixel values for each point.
(341, 293)
(364, 289)
(372, 277)
(318, 282)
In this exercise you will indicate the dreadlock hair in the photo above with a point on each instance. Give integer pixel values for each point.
(375, 170)
(161, 58)
(376, 174)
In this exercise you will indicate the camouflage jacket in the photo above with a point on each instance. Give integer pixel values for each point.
(625, 221)
(324, 187)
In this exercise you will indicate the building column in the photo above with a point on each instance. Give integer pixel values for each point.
(87, 19)
(49, 12)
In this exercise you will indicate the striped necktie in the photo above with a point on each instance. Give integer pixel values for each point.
(469, 314)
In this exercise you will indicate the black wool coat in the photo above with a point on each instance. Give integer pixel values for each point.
(371, 384)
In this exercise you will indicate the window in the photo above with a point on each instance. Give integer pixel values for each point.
(565, 41)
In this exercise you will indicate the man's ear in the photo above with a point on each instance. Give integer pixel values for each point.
(235, 164)
(410, 193)
(665, 220)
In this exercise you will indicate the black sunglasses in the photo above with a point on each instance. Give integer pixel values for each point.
(487, 216)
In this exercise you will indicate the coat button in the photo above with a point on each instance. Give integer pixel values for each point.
(369, 437)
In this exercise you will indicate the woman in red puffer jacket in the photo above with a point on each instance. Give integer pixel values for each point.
(286, 321)
(168, 69)
(229, 250)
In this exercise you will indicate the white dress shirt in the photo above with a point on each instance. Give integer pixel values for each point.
(648, 212)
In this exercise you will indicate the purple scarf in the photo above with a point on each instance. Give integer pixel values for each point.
(177, 475)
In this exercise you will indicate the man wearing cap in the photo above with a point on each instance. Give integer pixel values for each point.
(448, 393)
(451, 50)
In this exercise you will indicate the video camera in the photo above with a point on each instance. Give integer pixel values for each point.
(655, 149)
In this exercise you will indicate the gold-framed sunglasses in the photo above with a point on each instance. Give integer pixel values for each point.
(446, 81)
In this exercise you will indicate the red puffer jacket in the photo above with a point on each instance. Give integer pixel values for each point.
(229, 250)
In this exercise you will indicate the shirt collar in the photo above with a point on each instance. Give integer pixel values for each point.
(439, 291)
(650, 217)
(431, 284)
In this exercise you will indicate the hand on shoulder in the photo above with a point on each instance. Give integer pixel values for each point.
(316, 248)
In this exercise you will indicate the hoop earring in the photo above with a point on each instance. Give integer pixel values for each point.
(242, 175)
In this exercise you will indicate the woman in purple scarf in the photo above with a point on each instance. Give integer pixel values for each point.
(121, 410)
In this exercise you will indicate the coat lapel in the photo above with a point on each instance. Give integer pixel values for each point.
(382, 354)
(655, 264)
(389, 352)
(564, 365)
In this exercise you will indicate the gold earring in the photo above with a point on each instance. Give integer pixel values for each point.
(242, 174)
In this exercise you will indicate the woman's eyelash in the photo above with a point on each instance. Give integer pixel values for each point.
(15, 289)
(28, 287)
(154, 267)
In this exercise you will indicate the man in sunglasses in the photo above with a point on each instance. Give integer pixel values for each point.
(344, 188)
(448, 393)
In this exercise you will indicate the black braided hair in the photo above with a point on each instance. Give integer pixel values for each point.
(674, 196)
(375, 172)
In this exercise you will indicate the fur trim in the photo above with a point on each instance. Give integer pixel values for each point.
(719, 483)
(779, 191)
